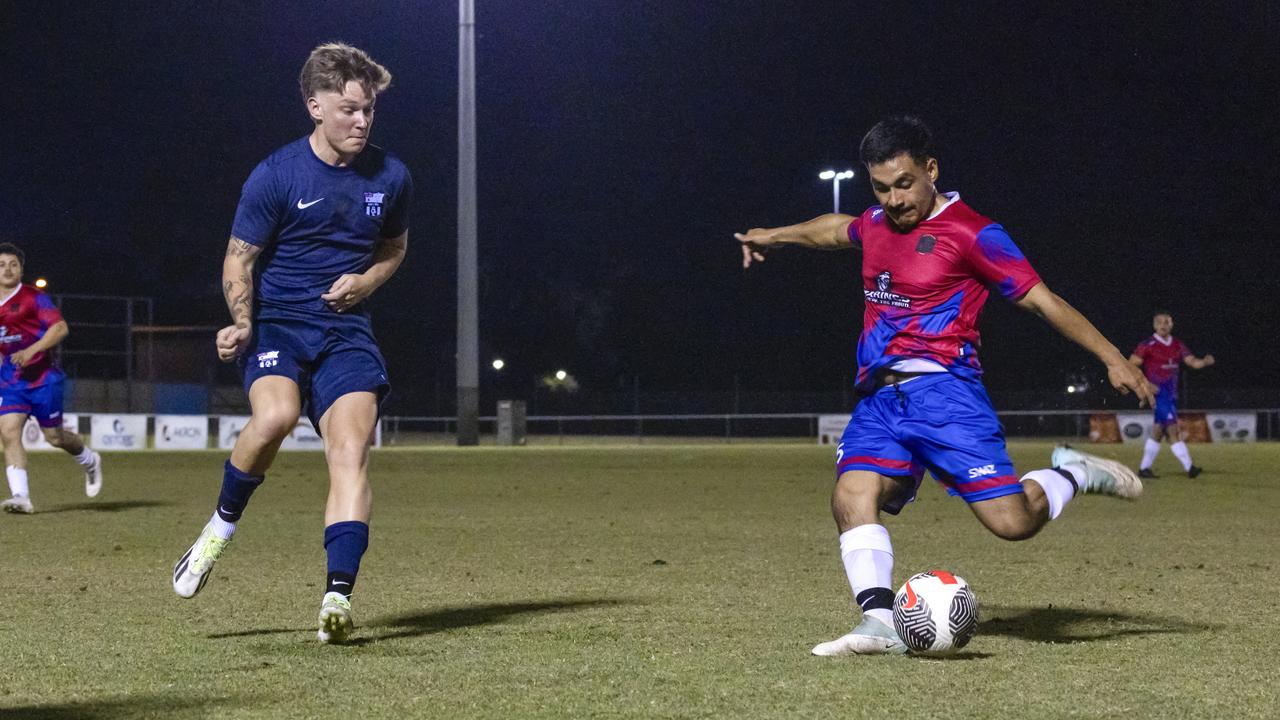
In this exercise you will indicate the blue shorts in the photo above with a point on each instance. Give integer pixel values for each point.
(44, 402)
(326, 361)
(937, 422)
(1166, 409)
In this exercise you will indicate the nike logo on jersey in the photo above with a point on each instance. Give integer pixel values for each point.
(304, 206)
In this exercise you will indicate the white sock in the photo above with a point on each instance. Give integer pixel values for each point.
(222, 528)
(1057, 489)
(1149, 452)
(85, 458)
(1181, 452)
(868, 563)
(17, 481)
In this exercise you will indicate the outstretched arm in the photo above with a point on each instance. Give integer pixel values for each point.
(1068, 321)
(352, 289)
(825, 232)
(237, 290)
(1198, 363)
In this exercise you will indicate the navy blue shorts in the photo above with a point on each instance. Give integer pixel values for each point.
(937, 422)
(1166, 409)
(326, 361)
(43, 402)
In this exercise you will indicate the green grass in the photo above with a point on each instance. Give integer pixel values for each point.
(656, 582)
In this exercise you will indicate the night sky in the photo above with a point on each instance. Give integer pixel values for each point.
(1130, 149)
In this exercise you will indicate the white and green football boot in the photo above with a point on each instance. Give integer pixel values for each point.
(335, 618)
(1103, 476)
(192, 570)
(870, 637)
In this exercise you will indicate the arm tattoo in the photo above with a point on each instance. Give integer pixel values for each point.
(237, 280)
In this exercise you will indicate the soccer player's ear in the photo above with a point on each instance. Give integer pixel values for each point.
(313, 109)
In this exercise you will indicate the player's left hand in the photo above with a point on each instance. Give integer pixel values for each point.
(1126, 377)
(21, 358)
(347, 292)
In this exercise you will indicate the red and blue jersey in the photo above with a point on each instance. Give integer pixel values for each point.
(925, 288)
(1161, 361)
(25, 316)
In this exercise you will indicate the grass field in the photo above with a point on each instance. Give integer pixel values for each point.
(661, 582)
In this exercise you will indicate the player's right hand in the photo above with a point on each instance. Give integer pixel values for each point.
(1125, 377)
(755, 243)
(232, 341)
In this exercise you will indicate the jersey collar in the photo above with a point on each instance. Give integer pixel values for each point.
(951, 197)
(1161, 340)
(9, 297)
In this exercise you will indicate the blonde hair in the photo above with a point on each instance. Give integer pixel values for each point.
(332, 65)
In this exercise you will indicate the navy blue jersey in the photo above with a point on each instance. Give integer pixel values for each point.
(316, 222)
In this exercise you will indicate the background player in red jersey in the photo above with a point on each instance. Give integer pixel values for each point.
(30, 382)
(928, 263)
(1161, 356)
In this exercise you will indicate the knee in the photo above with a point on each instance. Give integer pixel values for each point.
(56, 437)
(1014, 528)
(275, 423)
(346, 451)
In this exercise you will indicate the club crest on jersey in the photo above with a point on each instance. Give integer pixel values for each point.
(926, 244)
(882, 295)
(373, 204)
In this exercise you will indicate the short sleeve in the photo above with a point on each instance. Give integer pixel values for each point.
(258, 214)
(852, 231)
(1141, 351)
(1183, 351)
(997, 262)
(46, 311)
(397, 221)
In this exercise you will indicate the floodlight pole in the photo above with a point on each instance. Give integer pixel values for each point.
(468, 357)
(835, 178)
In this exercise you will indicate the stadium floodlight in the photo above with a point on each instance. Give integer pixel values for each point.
(498, 364)
(1071, 389)
(561, 375)
(42, 283)
(835, 178)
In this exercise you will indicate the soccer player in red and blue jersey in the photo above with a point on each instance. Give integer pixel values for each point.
(929, 261)
(1161, 356)
(322, 223)
(31, 382)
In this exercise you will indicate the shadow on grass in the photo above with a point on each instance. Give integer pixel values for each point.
(441, 619)
(1069, 625)
(135, 706)
(110, 506)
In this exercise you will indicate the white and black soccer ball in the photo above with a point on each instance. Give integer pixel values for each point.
(935, 613)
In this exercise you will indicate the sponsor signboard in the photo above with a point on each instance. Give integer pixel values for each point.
(118, 432)
(182, 432)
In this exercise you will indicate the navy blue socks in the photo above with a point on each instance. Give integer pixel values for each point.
(345, 543)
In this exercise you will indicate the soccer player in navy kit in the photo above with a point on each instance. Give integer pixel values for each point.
(31, 382)
(321, 224)
(928, 263)
(1161, 356)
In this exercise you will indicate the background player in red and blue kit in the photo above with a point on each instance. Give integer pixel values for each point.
(31, 382)
(322, 223)
(1161, 357)
(928, 263)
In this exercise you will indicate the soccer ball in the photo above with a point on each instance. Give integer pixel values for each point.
(935, 613)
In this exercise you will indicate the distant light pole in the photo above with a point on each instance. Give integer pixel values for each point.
(835, 178)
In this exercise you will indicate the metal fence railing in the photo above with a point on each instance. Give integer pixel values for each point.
(407, 430)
